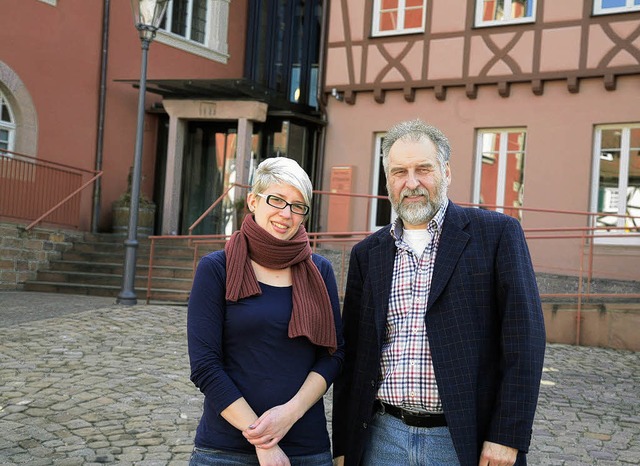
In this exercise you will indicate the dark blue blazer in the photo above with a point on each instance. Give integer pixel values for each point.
(485, 327)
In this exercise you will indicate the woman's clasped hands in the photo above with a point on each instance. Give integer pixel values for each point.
(265, 433)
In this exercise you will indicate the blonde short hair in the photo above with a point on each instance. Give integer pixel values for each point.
(281, 170)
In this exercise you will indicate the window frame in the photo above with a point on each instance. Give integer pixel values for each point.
(599, 10)
(215, 46)
(9, 126)
(502, 167)
(479, 22)
(625, 152)
(375, 184)
(375, 20)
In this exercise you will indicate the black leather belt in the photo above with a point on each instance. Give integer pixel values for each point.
(412, 418)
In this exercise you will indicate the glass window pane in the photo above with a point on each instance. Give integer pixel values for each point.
(388, 21)
(608, 189)
(633, 187)
(383, 206)
(5, 114)
(413, 18)
(520, 8)
(514, 184)
(179, 17)
(389, 5)
(493, 10)
(613, 3)
(611, 138)
(489, 169)
(199, 21)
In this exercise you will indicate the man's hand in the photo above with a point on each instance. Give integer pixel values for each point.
(338, 461)
(494, 454)
(269, 428)
(272, 457)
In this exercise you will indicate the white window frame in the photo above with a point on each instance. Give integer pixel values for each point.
(630, 6)
(507, 20)
(377, 10)
(216, 45)
(375, 187)
(9, 126)
(502, 164)
(634, 238)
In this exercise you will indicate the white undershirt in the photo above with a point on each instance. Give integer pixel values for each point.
(416, 239)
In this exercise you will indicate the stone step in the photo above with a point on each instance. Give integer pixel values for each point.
(159, 296)
(82, 278)
(141, 258)
(171, 271)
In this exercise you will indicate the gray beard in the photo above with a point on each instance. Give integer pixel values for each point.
(418, 214)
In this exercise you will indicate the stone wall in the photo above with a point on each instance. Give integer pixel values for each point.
(23, 253)
(606, 325)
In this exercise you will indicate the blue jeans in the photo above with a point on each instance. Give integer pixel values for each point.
(205, 457)
(392, 442)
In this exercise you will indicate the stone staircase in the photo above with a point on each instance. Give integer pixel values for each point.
(94, 266)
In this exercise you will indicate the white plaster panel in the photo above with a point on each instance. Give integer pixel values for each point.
(560, 49)
(563, 10)
(446, 58)
(336, 25)
(337, 67)
(446, 15)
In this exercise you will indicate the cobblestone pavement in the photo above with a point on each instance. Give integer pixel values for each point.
(86, 382)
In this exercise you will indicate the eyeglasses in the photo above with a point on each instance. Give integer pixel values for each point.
(279, 203)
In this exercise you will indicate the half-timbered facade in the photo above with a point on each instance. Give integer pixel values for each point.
(539, 98)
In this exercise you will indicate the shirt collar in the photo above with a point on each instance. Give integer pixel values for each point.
(434, 225)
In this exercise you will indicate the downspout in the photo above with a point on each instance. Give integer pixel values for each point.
(97, 188)
(323, 111)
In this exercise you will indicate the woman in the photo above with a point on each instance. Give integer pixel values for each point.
(264, 332)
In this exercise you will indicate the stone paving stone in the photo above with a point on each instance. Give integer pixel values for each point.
(109, 384)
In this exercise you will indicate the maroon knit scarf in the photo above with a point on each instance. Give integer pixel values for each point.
(312, 315)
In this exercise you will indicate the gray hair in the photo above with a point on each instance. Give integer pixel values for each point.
(414, 131)
(281, 170)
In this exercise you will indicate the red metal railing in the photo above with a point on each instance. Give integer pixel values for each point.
(577, 239)
(36, 190)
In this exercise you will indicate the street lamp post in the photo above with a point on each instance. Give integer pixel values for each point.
(147, 16)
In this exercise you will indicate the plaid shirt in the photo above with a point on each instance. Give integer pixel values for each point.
(408, 380)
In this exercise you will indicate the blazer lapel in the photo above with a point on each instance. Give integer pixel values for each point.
(452, 242)
(382, 257)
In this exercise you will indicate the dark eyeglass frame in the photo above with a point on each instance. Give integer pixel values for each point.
(295, 208)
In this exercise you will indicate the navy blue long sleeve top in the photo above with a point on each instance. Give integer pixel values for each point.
(242, 349)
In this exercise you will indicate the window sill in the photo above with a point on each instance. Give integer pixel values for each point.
(396, 33)
(191, 47)
(491, 24)
(631, 240)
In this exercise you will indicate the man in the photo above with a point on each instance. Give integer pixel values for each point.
(442, 323)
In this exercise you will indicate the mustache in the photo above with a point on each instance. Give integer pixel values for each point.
(414, 192)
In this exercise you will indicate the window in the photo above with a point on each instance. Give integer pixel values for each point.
(7, 125)
(501, 12)
(392, 17)
(604, 7)
(616, 181)
(188, 19)
(499, 171)
(283, 47)
(381, 211)
(197, 26)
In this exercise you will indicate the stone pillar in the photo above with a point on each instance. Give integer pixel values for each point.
(243, 151)
(173, 175)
